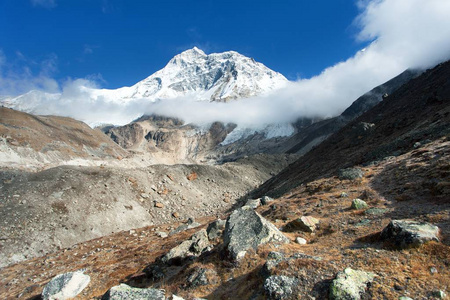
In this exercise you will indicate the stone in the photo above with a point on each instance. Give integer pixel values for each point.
(280, 287)
(162, 234)
(125, 292)
(215, 229)
(265, 200)
(301, 241)
(439, 294)
(409, 233)
(159, 205)
(175, 297)
(246, 229)
(350, 174)
(189, 225)
(344, 195)
(359, 204)
(66, 286)
(200, 277)
(305, 223)
(404, 298)
(193, 247)
(350, 284)
(176, 215)
(253, 203)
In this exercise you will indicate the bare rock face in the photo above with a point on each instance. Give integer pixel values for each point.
(65, 286)
(246, 229)
(409, 233)
(125, 292)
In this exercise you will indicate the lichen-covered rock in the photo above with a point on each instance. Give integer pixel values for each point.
(409, 233)
(280, 287)
(305, 223)
(246, 229)
(359, 204)
(215, 229)
(350, 284)
(65, 286)
(125, 292)
(193, 247)
(350, 173)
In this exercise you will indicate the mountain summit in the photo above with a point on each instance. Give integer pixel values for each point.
(214, 77)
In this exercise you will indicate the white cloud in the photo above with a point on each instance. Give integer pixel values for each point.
(44, 3)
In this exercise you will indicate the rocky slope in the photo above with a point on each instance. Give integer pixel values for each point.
(28, 141)
(61, 206)
(415, 113)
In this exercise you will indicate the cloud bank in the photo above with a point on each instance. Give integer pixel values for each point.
(402, 34)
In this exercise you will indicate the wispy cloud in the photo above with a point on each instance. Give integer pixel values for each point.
(21, 74)
(44, 3)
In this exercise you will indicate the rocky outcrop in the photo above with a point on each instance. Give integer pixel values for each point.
(66, 286)
(409, 233)
(246, 229)
(350, 174)
(125, 292)
(193, 247)
(350, 284)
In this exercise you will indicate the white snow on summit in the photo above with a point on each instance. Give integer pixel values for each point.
(214, 77)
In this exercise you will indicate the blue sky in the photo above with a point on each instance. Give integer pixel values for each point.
(118, 42)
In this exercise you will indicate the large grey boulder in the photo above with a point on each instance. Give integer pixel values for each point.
(246, 229)
(409, 233)
(125, 292)
(66, 286)
(350, 284)
(193, 247)
(280, 287)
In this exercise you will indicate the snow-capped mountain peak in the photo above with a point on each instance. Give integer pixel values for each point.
(194, 74)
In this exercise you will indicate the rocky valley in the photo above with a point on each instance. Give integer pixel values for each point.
(351, 207)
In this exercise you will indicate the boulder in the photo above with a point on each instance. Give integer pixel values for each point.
(253, 203)
(266, 200)
(190, 224)
(350, 174)
(66, 286)
(215, 229)
(175, 297)
(280, 287)
(350, 284)
(193, 247)
(125, 292)
(305, 223)
(246, 229)
(301, 241)
(408, 233)
(359, 204)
